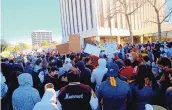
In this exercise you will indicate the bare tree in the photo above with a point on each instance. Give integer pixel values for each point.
(161, 17)
(4, 44)
(124, 7)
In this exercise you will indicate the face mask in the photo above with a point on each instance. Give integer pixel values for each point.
(130, 58)
(161, 49)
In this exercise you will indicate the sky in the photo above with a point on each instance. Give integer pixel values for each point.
(21, 17)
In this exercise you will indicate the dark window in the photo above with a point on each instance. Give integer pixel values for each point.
(91, 14)
(73, 16)
(69, 19)
(66, 22)
(81, 14)
(86, 14)
(77, 16)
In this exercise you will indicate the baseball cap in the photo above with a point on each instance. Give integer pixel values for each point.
(62, 71)
(113, 70)
(6, 59)
(67, 60)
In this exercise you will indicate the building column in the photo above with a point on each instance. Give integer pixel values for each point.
(150, 39)
(141, 38)
(118, 39)
(98, 38)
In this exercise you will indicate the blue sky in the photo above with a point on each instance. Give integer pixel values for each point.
(21, 17)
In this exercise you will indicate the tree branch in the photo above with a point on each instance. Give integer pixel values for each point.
(162, 5)
(166, 16)
(130, 13)
(150, 2)
(149, 21)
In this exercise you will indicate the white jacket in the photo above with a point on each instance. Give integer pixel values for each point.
(99, 72)
(48, 101)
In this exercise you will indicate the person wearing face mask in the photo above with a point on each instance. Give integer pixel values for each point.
(134, 59)
(165, 65)
(52, 77)
(162, 52)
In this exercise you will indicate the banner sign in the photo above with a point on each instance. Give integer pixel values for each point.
(90, 49)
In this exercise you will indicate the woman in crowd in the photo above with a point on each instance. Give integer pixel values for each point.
(145, 88)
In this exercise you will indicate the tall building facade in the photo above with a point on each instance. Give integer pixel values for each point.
(90, 19)
(41, 35)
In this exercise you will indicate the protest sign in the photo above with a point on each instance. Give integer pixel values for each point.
(110, 48)
(90, 49)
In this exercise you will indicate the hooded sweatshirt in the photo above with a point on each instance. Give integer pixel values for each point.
(99, 72)
(48, 101)
(4, 87)
(85, 73)
(25, 96)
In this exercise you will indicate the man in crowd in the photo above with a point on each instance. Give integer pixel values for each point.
(75, 95)
(114, 94)
(52, 77)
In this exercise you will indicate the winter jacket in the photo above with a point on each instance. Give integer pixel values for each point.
(54, 80)
(168, 96)
(27, 69)
(143, 96)
(48, 101)
(85, 73)
(99, 72)
(4, 87)
(114, 98)
(25, 96)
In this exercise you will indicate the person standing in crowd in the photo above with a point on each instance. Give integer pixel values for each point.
(165, 65)
(145, 89)
(128, 70)
(88, 64)
(168, 96)
(76, 95)
(52, 62)
(114, 94)
(73, 59)
(25, 96)
(36, 80)
(4, 89)
(99, 72)
(133, 57)
(28, 68)
(62, 76)
(156, 52)
(48, 101)
(85, 73)
(12, 85)
(52, 77)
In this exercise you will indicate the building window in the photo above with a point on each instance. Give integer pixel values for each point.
(73, 16)
(81, 14)
(69, 19)
(85, 5)
(101, 14)
(77, 15)
(91, 14)
(121, 20)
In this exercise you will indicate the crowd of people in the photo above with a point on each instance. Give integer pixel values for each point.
(138, 77)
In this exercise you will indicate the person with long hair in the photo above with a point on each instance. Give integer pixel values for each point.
(145, 89)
